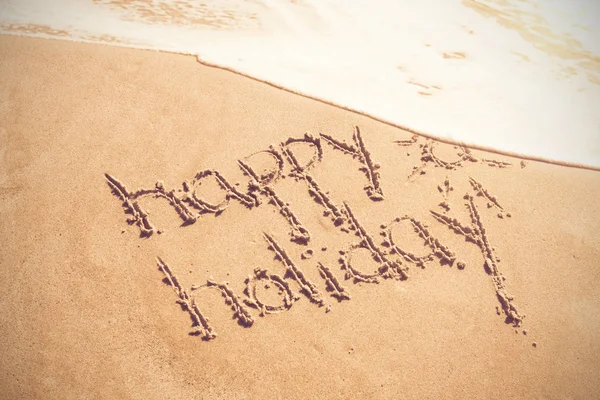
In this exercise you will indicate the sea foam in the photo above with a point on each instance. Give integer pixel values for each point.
(516, 76)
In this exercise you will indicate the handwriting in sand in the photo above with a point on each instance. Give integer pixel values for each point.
(393, 262)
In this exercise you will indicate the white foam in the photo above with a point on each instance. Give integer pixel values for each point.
(521, 86)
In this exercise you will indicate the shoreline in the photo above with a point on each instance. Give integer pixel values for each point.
(324, 101)
(472, 89)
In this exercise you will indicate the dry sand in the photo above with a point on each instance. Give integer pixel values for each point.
(509, 308)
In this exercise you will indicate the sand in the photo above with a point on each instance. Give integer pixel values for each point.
(352, 260)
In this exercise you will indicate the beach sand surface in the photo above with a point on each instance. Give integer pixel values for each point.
(89, 301)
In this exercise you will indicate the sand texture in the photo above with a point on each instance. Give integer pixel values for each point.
(171, 230)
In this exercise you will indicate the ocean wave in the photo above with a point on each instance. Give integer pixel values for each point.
(517, 76)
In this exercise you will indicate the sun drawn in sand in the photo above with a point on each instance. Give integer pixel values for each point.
(459, 156)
